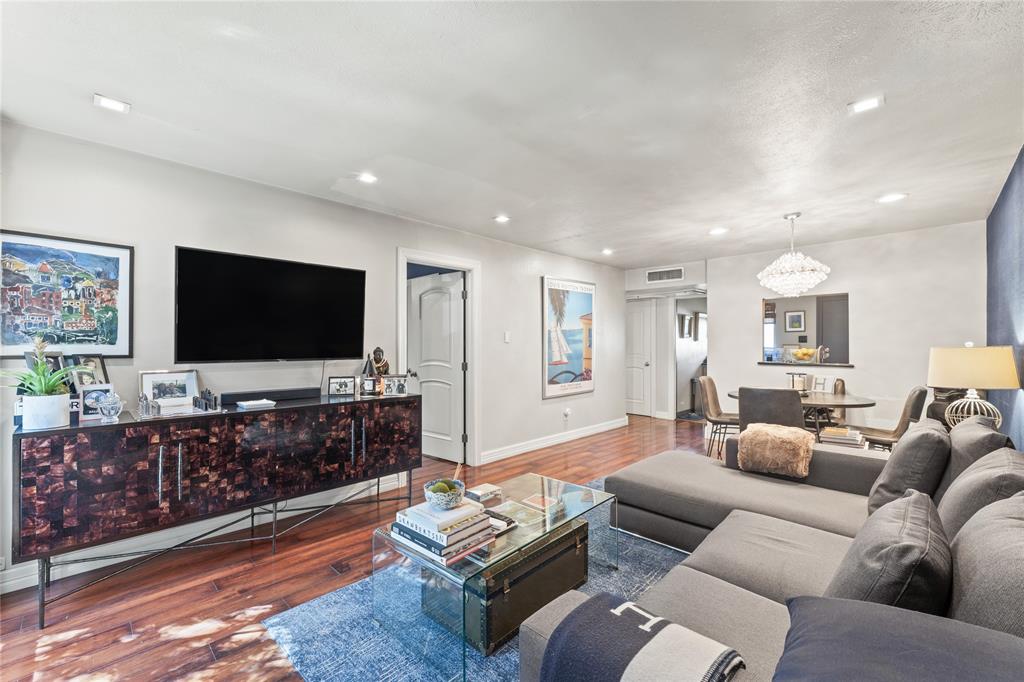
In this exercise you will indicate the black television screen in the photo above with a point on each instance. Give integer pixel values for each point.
(232, 308)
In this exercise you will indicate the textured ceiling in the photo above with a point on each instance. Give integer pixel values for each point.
(632, 126)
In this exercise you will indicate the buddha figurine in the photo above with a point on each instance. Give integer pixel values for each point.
(380, 364)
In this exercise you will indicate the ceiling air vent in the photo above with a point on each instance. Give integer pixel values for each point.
(665, 275)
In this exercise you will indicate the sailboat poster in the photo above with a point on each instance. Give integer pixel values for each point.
(568, 337)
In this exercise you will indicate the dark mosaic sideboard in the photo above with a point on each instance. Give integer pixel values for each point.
(82, 486)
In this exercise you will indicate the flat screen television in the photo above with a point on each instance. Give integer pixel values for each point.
(233, 308)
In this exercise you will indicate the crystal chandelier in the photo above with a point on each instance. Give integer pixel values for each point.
(792, 273)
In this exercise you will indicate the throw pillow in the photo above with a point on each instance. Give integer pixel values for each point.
(899, 557)
(837, 640)
(970, 440)
(988, 562)
(994, 477)
(775, 449)
(917, 462)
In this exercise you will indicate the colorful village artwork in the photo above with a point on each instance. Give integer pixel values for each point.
(68, 296)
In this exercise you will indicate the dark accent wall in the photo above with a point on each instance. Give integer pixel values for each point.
(1005, 231)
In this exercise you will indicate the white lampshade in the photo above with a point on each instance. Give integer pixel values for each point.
(987, 367)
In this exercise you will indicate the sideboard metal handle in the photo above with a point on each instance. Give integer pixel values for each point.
(352, 443)
(363, 428)
(160, 476)
(179, 471)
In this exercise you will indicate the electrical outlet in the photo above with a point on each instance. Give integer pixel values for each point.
(566, 413)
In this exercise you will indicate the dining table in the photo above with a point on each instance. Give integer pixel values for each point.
(818, 405)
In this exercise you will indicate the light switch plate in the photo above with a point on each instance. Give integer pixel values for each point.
(508, 336)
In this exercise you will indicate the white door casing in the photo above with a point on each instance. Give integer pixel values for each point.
(436, 353)
(640, 332)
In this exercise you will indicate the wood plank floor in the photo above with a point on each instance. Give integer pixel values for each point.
(196, 615)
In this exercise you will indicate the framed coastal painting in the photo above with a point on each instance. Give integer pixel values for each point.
(76, 294)
(569, 333)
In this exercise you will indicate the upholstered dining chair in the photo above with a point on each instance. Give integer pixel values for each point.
(720, 421)
(770, 406)
(886, 438)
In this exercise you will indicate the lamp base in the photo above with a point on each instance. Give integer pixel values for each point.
(970, 406)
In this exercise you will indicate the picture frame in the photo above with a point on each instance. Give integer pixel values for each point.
(569, 333)
(685, 326)
(76, 294)
(795, 321)
(170, 388)
(368, 386)
(341, 386)
(396, 384)
(87, 370)
(87, 404)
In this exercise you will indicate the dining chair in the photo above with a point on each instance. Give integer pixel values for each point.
(833, 416)
(770, 406)
(886, 438)
(720, 421)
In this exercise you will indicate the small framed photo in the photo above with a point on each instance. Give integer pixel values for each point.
(55, 360)
(341, 386)
(795, 321)
(395, 384)
(368, 386)
(170, 389)
(89, 408)
(91, 368)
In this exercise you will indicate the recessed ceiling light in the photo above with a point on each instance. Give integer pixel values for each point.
(367, 178)
(111, 103)
(866, 104)
(501, 218)
(891, 198)
(718, 231)
(607, 252)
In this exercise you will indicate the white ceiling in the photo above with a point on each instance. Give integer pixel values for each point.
(632, 126)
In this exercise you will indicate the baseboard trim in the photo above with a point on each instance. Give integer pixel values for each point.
(665, 415)
(507, 451)
(20, 576)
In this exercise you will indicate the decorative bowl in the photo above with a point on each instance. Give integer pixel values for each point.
(447, 499)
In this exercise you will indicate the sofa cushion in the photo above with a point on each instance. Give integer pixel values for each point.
(994, 477)
(702, 492)
(900, 558)
(917, 462)
(773, 558)
(775, 449)
(836, 467)
(970, 440)
(747, 622)
(840, 640)
(988, 568)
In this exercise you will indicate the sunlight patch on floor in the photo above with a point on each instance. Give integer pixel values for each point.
(46, 643)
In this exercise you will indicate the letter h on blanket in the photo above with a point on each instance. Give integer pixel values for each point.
(646, 627)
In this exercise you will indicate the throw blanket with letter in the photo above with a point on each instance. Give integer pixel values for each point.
(606, 639)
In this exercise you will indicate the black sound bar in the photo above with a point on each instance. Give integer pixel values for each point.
(275, 394)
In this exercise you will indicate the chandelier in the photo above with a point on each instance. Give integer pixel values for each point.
(792, 273)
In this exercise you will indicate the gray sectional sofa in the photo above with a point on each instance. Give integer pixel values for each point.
(756, 540)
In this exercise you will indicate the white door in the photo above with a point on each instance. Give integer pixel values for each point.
(436, 352)
(639, 356)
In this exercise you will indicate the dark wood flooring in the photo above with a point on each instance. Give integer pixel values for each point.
(196, 614)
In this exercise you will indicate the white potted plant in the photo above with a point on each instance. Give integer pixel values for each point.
(45, 403)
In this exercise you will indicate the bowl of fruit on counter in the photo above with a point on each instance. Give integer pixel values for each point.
(805, 354)
(444, 493)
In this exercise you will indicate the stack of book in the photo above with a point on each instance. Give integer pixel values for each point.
(444, 535)
(842, 435)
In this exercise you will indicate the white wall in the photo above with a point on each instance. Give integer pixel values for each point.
(690, 352)
(66, 187)
(908, 291)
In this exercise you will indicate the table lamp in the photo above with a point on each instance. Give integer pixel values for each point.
(987, 368)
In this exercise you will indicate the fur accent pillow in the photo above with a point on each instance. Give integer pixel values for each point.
(774, 449)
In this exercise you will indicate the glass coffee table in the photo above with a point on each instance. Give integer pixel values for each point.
(447, 614)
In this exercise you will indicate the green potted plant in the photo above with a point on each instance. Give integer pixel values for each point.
(45, 403)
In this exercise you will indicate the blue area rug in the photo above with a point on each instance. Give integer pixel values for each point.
(335, 637)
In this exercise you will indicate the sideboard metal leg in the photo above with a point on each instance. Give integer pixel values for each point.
(408, 475)
(49, 570)
(273, 532)
(44, 570)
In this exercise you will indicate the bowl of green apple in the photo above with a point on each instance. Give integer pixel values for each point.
(444, 493)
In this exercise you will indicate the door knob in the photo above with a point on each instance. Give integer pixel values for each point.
(647, 364)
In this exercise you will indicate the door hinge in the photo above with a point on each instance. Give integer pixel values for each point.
(465, 439)
(465, 366)
(465, 295)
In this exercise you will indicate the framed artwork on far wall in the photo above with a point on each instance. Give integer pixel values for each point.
(795, 321)
(76, 294)
(569, 332)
